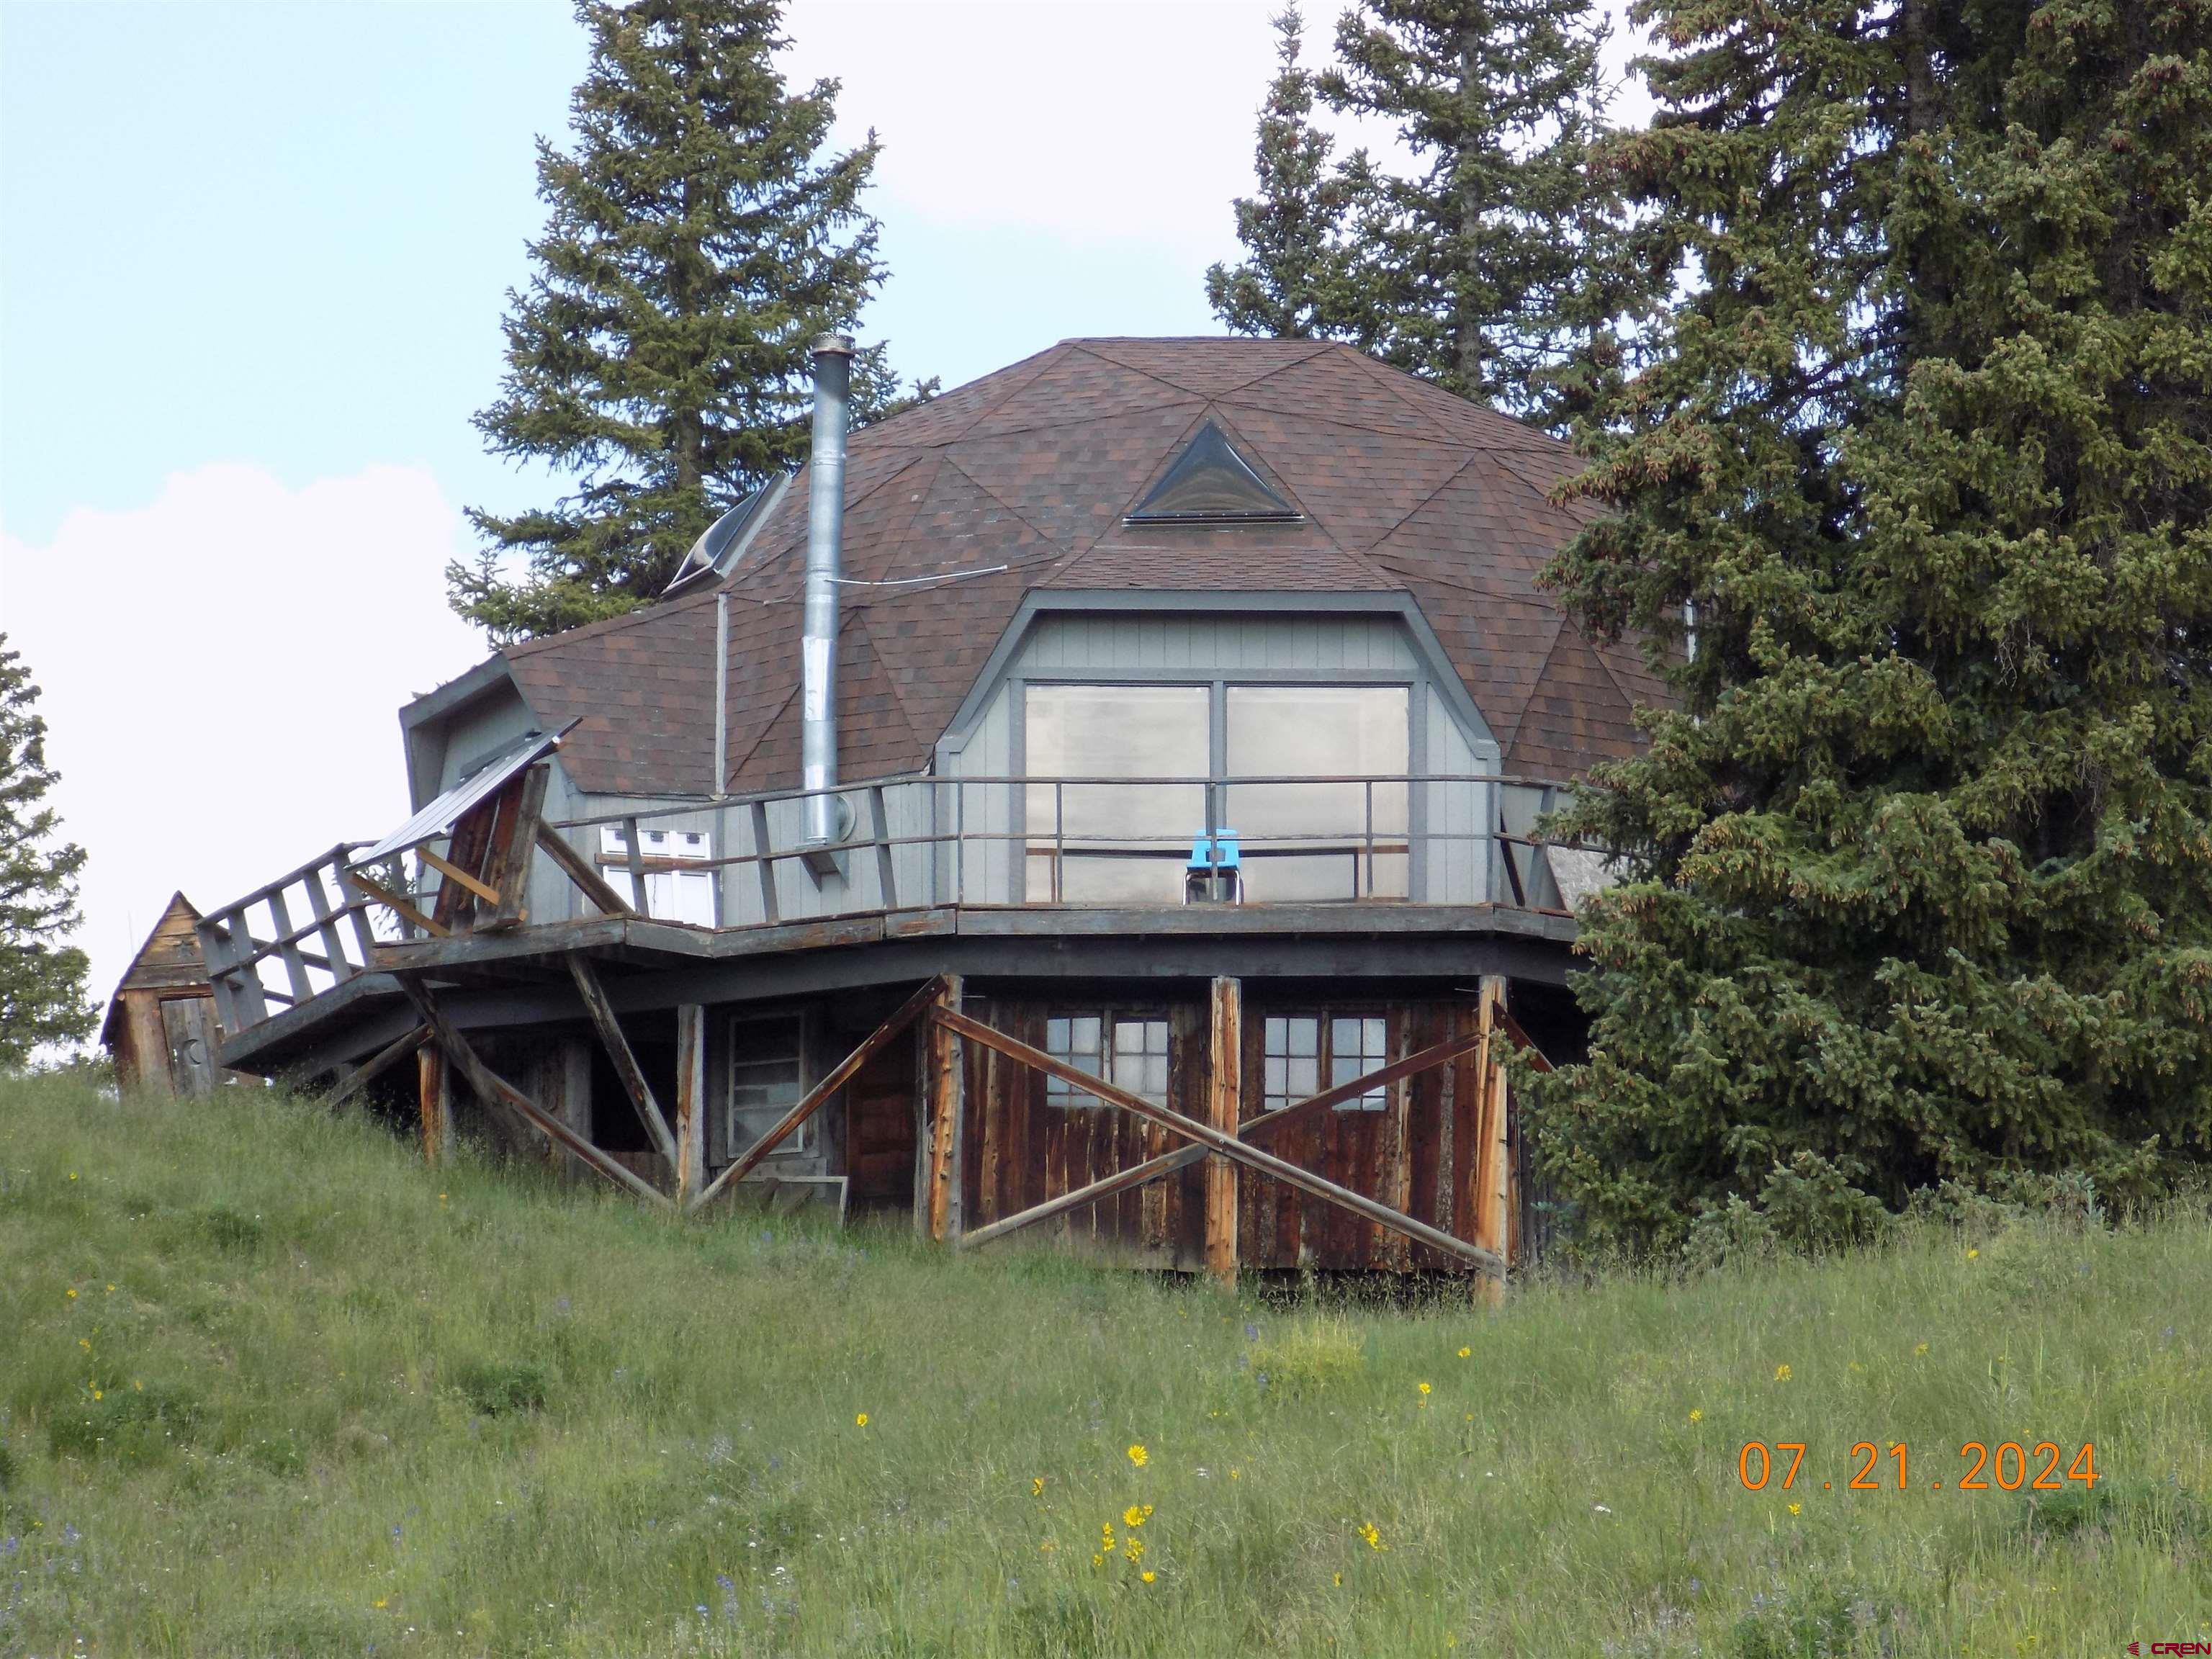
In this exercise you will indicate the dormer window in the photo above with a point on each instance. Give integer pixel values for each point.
(1210, 483)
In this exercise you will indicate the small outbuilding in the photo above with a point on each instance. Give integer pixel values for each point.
(161, 1029)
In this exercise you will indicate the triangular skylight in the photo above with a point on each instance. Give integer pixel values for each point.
(1211, 483)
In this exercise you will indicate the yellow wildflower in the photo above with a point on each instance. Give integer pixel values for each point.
(1036, 1486)
(1367, 1531)
(383, 1602)
(1793, 1508)
(1340, 1581)
(1236, 1474)
(110, 1290)
(72, 1175)
(1148, 1575)
(1134, 1516)
(1921, 1349)
(1425, 1389)
(1696, 1416)
(1139, 1457)
(97, 1395)
(1782, 1373)
(1466, 1352)
(860, 1420)
(1134, 1550)
(1097, 1560)
(71, 1291)
(1971, 1254)
(83, 1344)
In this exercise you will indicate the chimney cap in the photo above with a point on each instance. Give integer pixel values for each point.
(841, 344)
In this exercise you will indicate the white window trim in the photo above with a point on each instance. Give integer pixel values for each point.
(684, 896)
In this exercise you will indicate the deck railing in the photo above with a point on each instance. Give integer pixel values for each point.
(291, 940)
(921, 843)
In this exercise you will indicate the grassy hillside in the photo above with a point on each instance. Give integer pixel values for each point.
(270, 1387)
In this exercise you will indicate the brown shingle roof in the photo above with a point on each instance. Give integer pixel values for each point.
(1404, 488)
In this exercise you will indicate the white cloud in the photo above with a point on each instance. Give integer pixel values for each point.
(1097, 119)
(221, 672)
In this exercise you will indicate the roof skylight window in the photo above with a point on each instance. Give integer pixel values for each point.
(1211, 483)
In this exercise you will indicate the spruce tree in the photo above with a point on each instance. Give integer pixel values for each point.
(697, 240)
(42, 1000)
(1918, 482)
(1292, 281)
(1491, 261)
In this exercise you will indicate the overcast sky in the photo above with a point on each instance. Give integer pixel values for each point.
(253, 261)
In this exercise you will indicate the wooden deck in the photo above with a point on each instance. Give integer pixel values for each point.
(522, 973)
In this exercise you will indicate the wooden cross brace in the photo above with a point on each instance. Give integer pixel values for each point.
(815, 1098)
(1208, 1140)
(492, 1087)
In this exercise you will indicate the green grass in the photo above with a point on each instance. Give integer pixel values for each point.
(344, 1401)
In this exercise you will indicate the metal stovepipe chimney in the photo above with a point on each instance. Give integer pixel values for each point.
(825, 520)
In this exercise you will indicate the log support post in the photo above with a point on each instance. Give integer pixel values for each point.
(1488, 1204)
(435, 1084)
(1225, 1094)
(690, 1102)
(944, 1084)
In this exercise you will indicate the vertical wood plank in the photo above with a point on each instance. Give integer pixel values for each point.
(342, 967)
(923, 1032)
(1447, 1126)
(143, 1064)
(944, 1112)
(690, 1101)
(573, 1104)
(1487, 1200)
(634, 844)
(879, 829)
(1223, 1099)
(434, 1091)
(507, 870)
(762, 864)
(288, 949)
(1397, 1188)
(244, 981)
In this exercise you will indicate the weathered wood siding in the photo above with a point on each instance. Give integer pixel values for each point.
(1417, 1156)
(1018, 1151)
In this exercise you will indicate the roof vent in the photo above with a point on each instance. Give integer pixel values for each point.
(1211, 483)
(724, 542)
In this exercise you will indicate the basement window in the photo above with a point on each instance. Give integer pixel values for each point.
(671, 893)
(1129, 1051)
(1298, 1049)
(768, 1076)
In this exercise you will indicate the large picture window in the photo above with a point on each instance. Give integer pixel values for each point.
(1115, 842)
(1319, 840)
(1308, 778)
